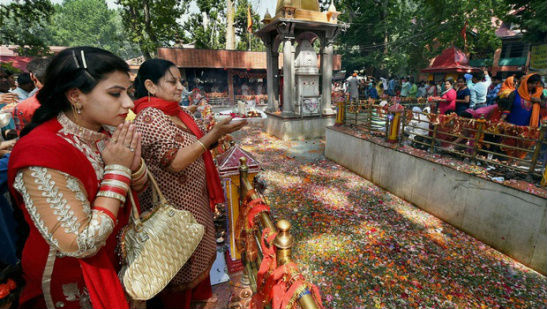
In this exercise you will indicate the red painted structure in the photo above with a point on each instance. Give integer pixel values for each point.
(451, 60)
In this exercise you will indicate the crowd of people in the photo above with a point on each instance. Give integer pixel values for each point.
(471, 95)
(73, 163)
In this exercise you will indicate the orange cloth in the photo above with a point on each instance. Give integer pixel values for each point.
(524, 94)
(507, 87)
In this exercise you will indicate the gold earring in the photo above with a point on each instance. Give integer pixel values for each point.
(148, 96)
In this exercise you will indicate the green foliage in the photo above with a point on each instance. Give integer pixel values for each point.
(153, 23)
(22, 24)
(8, 66)
(400, 36)
(531, 16)
(92, 23)
(207, 28)
(240, 25)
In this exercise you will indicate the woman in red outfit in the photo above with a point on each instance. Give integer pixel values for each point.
(176, 149)
(70, 177)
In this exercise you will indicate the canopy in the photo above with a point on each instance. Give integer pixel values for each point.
(17, 61)
(451, 60)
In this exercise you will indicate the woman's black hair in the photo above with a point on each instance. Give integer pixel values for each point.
(77, 67)
(534, 79)
(152, 69)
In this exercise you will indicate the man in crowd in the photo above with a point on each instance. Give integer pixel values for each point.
(478, 84)
(24, 86)
(392, 86)
(493, 90)
(353, 87)
(405, 87)
(22, 113)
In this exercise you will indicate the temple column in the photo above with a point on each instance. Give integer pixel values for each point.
(288, 82)
(326, 73)
(275, 79)
(270, 79)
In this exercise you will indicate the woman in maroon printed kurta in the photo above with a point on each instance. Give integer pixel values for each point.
(176, 149)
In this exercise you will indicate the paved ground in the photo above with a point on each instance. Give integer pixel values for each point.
(366, 248)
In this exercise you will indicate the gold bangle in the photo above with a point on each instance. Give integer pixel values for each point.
(118, 167)
(113, 195)
(202, 145)
(140, 171)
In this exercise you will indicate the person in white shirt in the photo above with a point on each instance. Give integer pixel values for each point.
(25, 86)
(478, 84)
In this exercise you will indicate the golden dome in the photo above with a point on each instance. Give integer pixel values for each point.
(310, 5)
(267, 15)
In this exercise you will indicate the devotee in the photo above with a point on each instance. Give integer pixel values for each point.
(478, 84)
(462, 97)
(432, 90)
(522, 108)
(422, 90)
(372, 93)
(493, 90)
(70, 177)
(413, 89)
(23, 111)
(177, 150)
(353, 87)
(392, 86)
(405, 87)
(25, 86)
(185, 101)
(447, 103)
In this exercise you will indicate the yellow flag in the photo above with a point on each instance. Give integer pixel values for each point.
(249, 20)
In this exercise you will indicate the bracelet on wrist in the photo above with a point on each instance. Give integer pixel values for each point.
(112, 193)
(140, 171)
(106, 212)
(118, 168)
(202, 145)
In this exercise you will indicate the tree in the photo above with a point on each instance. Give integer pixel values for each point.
(92, 23)
(22, 24)
(207, 28)
(400, 36)
(240, 23)
(529, 15)
(153, 23)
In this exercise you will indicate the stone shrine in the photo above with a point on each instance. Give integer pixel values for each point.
(306, 82)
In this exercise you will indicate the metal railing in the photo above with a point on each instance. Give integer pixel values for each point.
(282, 242)
(515, 150)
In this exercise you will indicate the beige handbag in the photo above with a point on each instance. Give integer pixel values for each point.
(156, 245)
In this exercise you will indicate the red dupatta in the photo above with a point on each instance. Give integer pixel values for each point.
(99, 273)
(172, 108)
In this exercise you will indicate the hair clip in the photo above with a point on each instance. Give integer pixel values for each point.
(83, 59)
(75, 59)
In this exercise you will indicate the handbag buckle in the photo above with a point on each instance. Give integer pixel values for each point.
(142, 236)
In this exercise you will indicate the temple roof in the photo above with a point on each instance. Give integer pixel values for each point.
(450, 60)
(310, 5)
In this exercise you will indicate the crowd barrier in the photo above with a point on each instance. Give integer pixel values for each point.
(514, 150)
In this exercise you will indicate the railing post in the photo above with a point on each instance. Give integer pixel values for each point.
(283, 242)
(480, 130)
(402, 133)
(537, 147)
(369, 106)
(341, 112)
(433, 137)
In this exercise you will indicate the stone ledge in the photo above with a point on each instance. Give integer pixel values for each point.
(510, 220)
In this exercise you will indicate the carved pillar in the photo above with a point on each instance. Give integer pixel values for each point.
(270, 77)
(288, 82)
(326, 73)
(275, 81)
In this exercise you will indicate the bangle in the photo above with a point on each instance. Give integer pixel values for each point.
(111, 194)
(140, 171)
(116, 184)
(116, 177)
(119, 168)
(202, 145)
(106, 212)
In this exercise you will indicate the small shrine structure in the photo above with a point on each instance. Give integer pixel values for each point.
(451, 63)
(305, 98)
(228, 168)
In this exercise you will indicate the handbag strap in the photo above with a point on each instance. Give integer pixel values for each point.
(156, 195)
